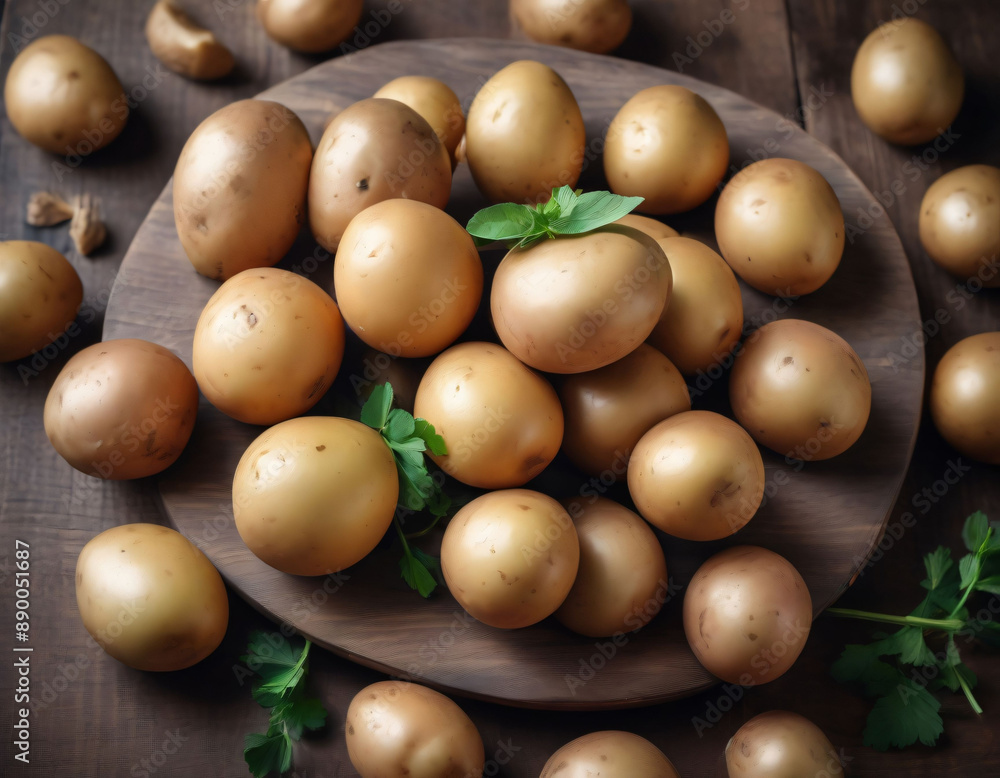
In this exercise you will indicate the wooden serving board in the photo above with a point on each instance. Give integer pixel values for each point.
(826, 517)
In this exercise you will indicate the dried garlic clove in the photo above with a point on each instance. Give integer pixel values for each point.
(87, 230)
(46, 209)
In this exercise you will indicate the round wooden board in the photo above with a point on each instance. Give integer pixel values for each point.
(825, 517)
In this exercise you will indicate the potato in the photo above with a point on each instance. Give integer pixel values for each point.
(609, 409)
(314, 495)
(609, 754)
(747, 615)
(240, 187)
(524, 135)
(964, 396)
(267, 346)
(502, 423)
(408, 278)
(150, 598)
(905, 82)
(64, 97)
(597, 26)
(697, 475)
(401, 730)
(668, 145)
(621, 583)
(703, 321)
(960, 223)
(309, 26)
(183, 46)
(372, 151)
(779, 226)
(40, 294)
(121, 409)
(436, 102)
(781, 744)
(510, 557)
(654, 228)
(801, 390)
(580, 302)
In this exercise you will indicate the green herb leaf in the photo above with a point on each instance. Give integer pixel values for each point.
(375, 412)
(425, 431)
(937, 565)
(299, 715)
(265, 754)
(974, 533)
(593, 210)
(990, 585)
(505, 221)
(416, 573)
(901, 717)
(908, 644)
(968, 569)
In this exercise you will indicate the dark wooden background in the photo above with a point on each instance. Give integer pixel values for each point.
(99, 718)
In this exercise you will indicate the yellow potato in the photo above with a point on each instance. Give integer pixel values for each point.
(524, 135)
(781, 744)
(314, 495)
(668, 145)
(436, 102)
(597, 26)
(654, 228)
(703, 321)
(310, 26)
(610, 753)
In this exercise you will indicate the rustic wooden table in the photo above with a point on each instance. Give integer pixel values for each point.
(94, 716)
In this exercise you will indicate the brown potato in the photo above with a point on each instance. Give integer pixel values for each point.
(64, 97)
(607, 410)
(747, 615)
(524, 135)
(697, 475)
(580, 302)
(668, 145)
(40, 294)
(374, 150)
(436, 102)
(610, 753)
(703, 320)
(621, 583)
(905, 82)
(267, 346)
(960, 223)
(183, 46)
(502, 422)
(964, 397)
(801, 390)
(150, 598)
(510, 557)
(654, 228)
(421, 267)
(780, 227)
(401, 730)
(309, 26)
(781, 744)
(597, 26)
(240, 187)
(121, 409)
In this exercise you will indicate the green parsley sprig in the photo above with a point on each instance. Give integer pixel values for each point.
(905, 710)
(408, 438)
(281, 688)
(567, 212)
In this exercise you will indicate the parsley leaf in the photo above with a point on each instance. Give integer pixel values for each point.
(906, 714)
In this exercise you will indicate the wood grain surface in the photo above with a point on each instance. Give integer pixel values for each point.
(95, 717)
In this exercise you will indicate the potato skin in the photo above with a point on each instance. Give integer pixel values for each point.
(121, 409)
(240, 187)
(621, 583)
(64, 97)
(697, 475)
(510, 557)
(597, 26)
(315, 494)
(781, 744)
(150, 597)
(580, 302)
(668, 145)
(402, 730)
(374, 150)
(747, 615)
(780, 227)
(964, 395)
(183, 46)
(421, 269)
(309, 26)
(435, 101)
(654, 228)
(703, 320)
(960, 223)
(40, 294)
(525, 100)
(611, 753)
(267, 345)
(905, 82)
(801, 390)
(501, 421)
(607, 410)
